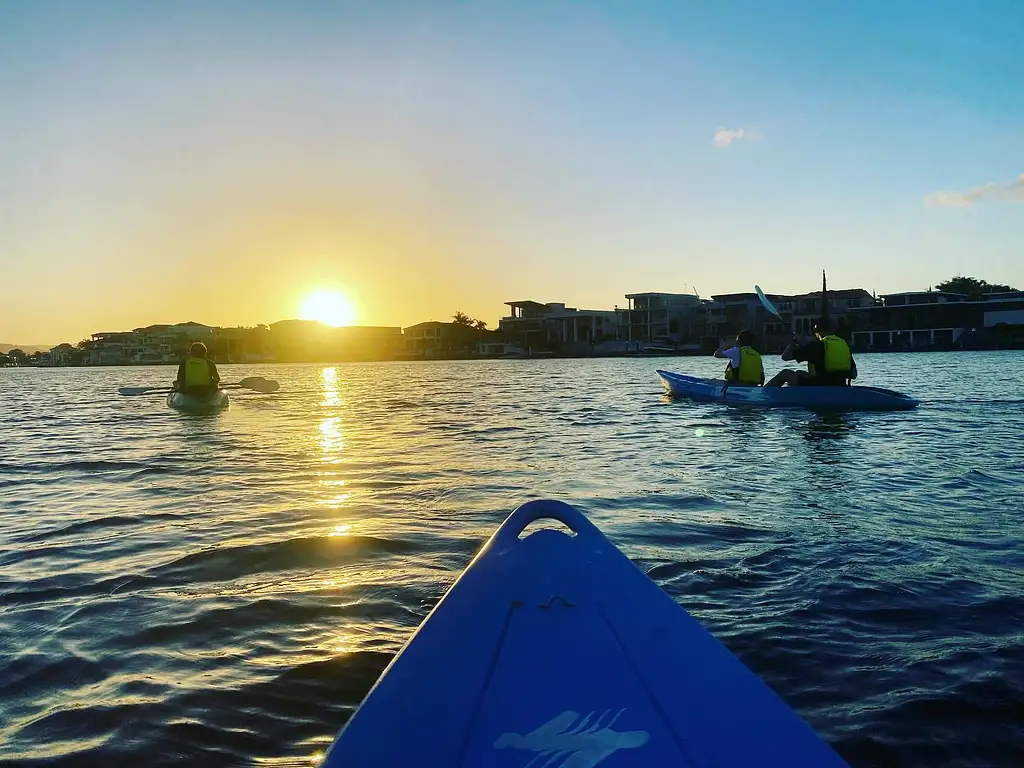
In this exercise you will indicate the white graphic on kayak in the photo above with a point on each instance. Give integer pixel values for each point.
(584, 746)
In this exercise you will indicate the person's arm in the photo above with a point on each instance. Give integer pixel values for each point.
(179, 382)
(732, 354)
(853, 368)
(214, 373)
(724, 347)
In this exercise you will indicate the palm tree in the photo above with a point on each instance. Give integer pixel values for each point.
(480, 325)
(461, 318)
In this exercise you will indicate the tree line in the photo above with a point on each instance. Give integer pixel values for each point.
(972, 286)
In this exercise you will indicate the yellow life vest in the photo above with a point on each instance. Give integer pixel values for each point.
(751, 370)
(197, 372)
(837, 357)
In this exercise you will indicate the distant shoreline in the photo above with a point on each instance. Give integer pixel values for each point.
(492, 358)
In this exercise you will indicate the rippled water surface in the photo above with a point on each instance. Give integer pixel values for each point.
(225, 589)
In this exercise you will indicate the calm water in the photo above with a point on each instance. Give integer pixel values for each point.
(225, 589)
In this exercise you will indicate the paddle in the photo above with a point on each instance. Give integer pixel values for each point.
(772, 310)
(255, 383)
(767, 302)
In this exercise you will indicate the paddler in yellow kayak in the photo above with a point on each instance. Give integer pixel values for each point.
(745, 368)
(197, 374)
(829, 361)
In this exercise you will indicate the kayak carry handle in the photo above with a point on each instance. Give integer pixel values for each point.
(544, 509)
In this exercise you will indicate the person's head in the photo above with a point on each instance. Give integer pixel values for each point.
(823, 327)
(745, 339)
(197, 349)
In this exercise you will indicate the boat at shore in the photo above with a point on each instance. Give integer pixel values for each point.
(853, 398)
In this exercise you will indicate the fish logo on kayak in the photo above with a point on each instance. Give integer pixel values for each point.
(582, 746)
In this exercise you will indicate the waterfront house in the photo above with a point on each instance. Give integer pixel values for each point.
(552, 325)
(155, 344)
(111, 348)
(673, 320)
(915, 320)
(434, 339)
(63, 355)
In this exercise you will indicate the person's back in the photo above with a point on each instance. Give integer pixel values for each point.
(829, 361)
(197, 373)
(745, 367)
(834, 365)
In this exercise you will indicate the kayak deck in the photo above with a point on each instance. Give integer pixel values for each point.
(199, 402)
(557, 650)
(853, 398)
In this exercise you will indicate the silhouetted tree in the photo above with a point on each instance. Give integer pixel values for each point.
(971, 286)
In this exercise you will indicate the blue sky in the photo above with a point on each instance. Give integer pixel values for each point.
(218, 161)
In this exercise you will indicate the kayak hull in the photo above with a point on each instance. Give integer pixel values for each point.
(555, 649)
(854, 398)
(216, 400)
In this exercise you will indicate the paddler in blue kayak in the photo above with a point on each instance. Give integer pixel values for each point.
(197, 374)
(745, 368)
(829, 361)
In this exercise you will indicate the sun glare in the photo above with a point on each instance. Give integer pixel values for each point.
(328, 307)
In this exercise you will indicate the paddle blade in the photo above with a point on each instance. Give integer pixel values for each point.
(766, 302)
(133, 391)
(259, 384)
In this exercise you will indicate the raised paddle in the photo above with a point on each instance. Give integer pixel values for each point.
(255, 383)
(766, 302)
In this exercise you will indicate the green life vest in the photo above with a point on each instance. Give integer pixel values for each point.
(197, 372)
(751, 370)
(837, 357)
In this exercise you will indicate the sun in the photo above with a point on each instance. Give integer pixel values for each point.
(328, 307)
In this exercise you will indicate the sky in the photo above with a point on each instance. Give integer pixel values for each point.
(219, 162)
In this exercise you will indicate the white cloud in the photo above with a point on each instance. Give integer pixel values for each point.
(994, 191)
(726, 136)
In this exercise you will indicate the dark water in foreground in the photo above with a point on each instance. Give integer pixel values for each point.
(224, 590)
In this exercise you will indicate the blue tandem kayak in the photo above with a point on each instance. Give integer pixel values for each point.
(555, 650)
(853, 398)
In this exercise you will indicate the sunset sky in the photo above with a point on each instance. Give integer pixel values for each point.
(221, 161)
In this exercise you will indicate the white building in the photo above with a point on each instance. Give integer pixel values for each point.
(155, 344)
(534, 324)
(111, 348)
(661, 318)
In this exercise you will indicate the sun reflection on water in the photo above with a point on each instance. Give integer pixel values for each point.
(332, 395)
(332, 441)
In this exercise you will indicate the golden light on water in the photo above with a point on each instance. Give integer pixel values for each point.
(331, 439)
(332, 395)
(329, 307)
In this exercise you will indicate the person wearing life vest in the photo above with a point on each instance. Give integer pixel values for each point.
(197, 373)
(744, 368)
(829, 361)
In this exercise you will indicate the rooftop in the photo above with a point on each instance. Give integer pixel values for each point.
(923, 293)
(428, 324)
(661, 293)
